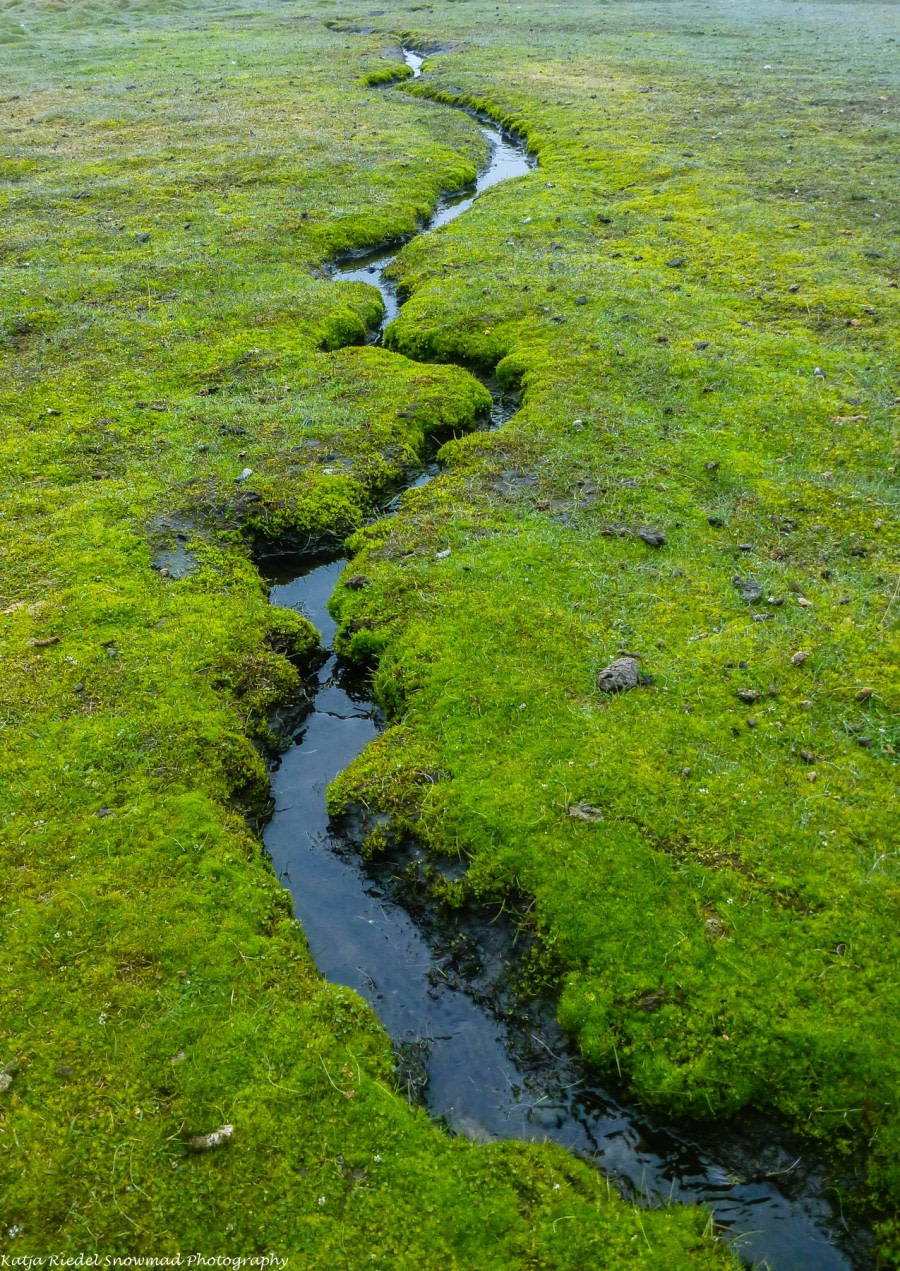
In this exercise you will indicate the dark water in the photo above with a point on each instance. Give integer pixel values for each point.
(508, 159)
(483, 1076)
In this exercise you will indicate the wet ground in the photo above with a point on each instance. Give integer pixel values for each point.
(488, 1066)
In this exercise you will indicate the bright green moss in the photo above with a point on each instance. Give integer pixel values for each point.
(725, 937)
(174, 183)
(387, 74)
(704, 351)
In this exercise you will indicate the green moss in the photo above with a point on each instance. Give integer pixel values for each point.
(724, 935)
(155, 983)
(387, 74)
(740, 880)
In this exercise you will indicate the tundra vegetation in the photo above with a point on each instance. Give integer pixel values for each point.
(696, 294)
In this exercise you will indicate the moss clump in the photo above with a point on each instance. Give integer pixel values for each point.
(387, 75)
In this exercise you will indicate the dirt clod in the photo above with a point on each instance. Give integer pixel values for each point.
(750, 589)
(618, 676)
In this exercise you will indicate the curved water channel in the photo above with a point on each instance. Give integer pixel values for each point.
(489, 1072)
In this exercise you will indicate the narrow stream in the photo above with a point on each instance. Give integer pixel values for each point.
(470, 1067)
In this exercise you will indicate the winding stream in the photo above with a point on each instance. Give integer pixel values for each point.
(484, 1076)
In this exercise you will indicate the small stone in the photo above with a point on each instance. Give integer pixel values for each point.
(618, 676)
(750, 589)
(745, 547)
(864, 741)
(676, 262)
(716, 522)
(864, 694)
(101, 812)
(685, 773)
(356, 582)
(581, 300)
(244, 475)
(812, 776)
(807, 756)
(652, 536)
(207, 1142)
(442, 555)
(799, 658)
(711, 466)
(749, 695)
(700, 345)
(7, 1074)
(585, 812)
(804, 603)
(142, 238)
(752, 721)
(715, 927)
(775, 600)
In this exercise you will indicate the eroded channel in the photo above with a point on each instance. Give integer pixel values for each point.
(487, 1070)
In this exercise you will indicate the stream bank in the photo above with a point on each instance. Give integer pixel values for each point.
(483, 1064)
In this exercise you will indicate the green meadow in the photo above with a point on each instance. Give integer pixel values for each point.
(695, 293)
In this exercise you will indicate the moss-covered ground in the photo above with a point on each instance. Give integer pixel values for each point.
(173, 178)
(697, 293)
